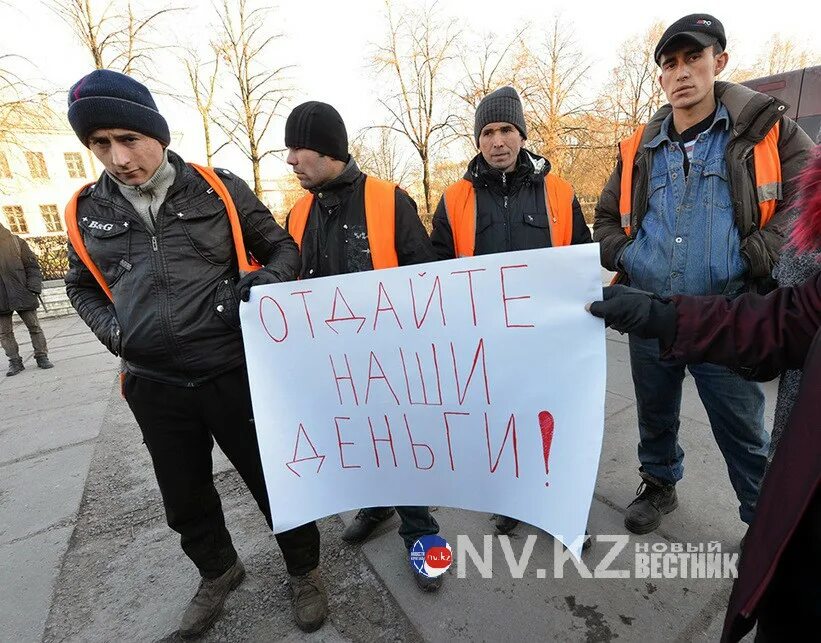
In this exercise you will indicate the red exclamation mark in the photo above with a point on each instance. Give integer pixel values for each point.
(546, 425)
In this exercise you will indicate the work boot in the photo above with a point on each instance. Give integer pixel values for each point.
(364, 523)
(504, 524)
(425, 583)
(654, 499)
(207, 603)
(43, 362)
(15, 366)
(309, 601)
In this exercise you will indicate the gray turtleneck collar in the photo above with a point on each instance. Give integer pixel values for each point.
(149, 197)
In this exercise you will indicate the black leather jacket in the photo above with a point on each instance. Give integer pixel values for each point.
(175, 316)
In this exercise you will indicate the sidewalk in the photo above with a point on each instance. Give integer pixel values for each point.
(85, 554)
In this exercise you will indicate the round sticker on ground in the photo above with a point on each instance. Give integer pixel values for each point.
(431, 556)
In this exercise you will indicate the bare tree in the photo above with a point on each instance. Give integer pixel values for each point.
(634, 93)
(381, 158)
(777, 56)
(202, 78)
(550, 81)
(115, 35)
(417, 48)
(493, 64)
(259, 89)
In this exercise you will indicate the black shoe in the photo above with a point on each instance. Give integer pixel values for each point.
(207, 603)
(43, 362)
(654, 500)
(365, 522)
(588, 541)
(15, 366)
(504, 524)
(425, 583)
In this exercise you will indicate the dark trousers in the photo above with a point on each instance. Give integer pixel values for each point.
(416, 522)
(9, 343)
(179, 426)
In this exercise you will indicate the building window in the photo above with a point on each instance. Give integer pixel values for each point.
(37, 165)
(74, 163)
(52, 218)
(5, 171)
(17, 222)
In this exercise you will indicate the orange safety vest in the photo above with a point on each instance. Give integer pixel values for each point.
(73, 230)
(460, 207)
(380, 219)
(766, 160)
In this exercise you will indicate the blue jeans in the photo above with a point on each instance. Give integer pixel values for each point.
(735, 408)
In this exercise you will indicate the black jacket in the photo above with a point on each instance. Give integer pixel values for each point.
(335, 241)
(511, 213)
(175, 317)
(20, 277)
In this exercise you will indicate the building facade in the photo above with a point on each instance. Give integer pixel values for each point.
(41, 165)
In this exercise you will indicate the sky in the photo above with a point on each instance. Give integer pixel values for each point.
(330, 43)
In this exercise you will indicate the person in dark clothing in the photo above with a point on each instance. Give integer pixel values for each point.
(20, 283)
(162, 241)
(343, 225)
(508, 200)
(777, 583)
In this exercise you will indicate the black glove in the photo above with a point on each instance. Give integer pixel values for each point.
(640, 313)
(256, 278)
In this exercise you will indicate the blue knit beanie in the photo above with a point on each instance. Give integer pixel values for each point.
(109, 99)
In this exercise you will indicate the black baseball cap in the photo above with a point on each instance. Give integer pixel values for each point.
(701, 28)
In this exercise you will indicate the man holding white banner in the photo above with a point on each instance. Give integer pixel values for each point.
(508, 200)
(349, 222)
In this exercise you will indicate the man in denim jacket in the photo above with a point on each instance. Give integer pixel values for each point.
(694, 223)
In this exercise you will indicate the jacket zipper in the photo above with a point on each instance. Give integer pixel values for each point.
(507, 215)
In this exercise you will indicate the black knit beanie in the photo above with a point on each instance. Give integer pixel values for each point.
(319, 127)
(109, 99)
(501, 106)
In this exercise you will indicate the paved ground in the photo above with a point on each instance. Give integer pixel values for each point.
(85, 554)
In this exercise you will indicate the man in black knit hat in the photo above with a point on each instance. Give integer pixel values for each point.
(508, 200)
(161, 239)
(351, 222)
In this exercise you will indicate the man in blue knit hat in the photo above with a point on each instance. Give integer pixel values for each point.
(162, 241)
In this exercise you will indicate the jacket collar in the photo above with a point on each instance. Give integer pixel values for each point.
(107, 187)
(751, 113)
(331, 193)
(530, 167)
(721, 119)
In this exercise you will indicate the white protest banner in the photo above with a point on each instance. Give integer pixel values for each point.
(475, 383)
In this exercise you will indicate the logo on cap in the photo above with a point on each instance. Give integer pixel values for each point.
(702, 21)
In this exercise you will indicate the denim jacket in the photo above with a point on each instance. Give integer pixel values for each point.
(688, 242)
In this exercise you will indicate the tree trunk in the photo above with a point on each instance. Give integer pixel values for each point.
(426, 183)
(209, 153)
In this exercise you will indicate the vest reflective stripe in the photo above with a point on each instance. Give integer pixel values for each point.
(76, 238)
(460, 207)
(766, 161)
(380, 219)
